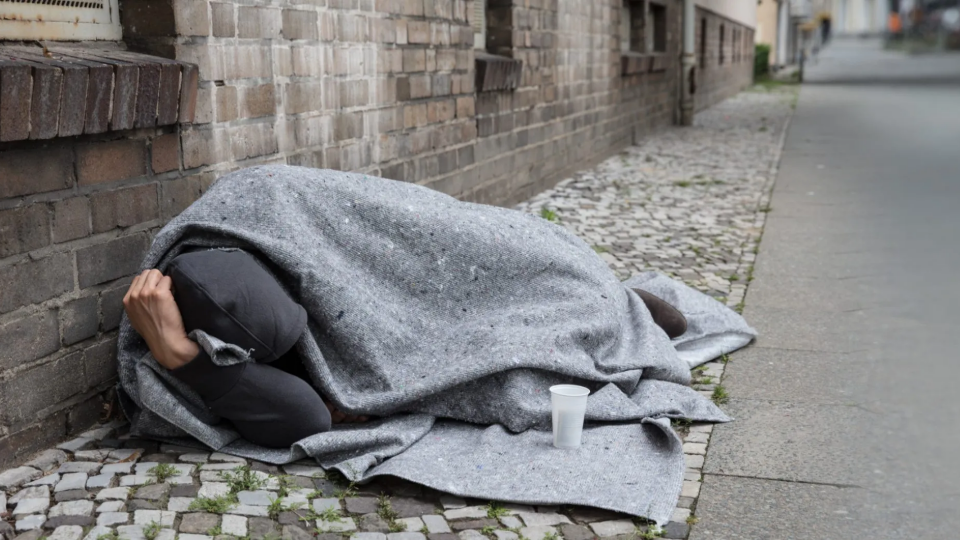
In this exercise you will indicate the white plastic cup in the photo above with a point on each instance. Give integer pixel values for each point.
(569, 406)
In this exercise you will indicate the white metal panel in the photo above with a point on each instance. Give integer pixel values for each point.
(66, 20)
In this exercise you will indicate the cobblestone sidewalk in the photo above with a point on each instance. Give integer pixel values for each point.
(688, 202)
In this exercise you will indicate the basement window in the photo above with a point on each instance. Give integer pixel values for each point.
(60, 20)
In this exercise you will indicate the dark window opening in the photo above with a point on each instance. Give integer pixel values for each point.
(658, 16)
(632, 23)
(703, 43)
(722, 31)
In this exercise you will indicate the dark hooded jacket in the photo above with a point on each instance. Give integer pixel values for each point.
(230, 296)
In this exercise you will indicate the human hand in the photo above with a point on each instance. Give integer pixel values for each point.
(155, 316)
(338, 417)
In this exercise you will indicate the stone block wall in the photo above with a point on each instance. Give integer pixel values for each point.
(724, 66)
(383, 87)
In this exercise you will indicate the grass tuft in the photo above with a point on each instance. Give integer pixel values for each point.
(242, 479)
(151, 531)
(214, 505)
(720, 395)
(549, 215)
(162, 471)
(496, 511)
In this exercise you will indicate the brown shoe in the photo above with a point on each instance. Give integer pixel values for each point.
(666, 316)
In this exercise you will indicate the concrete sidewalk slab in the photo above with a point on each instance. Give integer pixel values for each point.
(798, 376)
(798, 442)
(823, 331)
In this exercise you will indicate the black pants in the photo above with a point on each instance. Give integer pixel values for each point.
(229, 295)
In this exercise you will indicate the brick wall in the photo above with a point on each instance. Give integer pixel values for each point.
(384, 87)
(716, 80)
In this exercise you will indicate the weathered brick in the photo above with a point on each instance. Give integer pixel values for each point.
(192, 17)
(259, 101)
(111, 306)
(108, 261)
(418, 32)
(71, 219)
(222, 15)
(35, 280)
(111, 161)
(23, 172)
(302, 97)
(33, 390)
(300, 24)
(414, 60)
(258, 22)
(16, 86)
(26, 440)
(466, 107)
(199, 148)
(79, 320)
(177, 195)
(100, 362)
(124, 207)
(347, 126)
(83, 416)
(29, 338)
(226, 103)
(165, 153)
(24, 229)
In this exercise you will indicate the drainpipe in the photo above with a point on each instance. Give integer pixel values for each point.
(688, 63)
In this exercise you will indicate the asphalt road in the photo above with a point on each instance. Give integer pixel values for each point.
(848, 406)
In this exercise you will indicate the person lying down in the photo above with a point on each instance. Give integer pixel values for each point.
(230, 296)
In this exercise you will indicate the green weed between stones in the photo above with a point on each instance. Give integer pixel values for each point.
(720, 395)
(242, 479)
(488, 530)
(162, 471)
(214, 505)
(650, 533)
(692, 520)
(496, 511)
(151, 531)
(387, 513)
(549, 215)
(215, 531)
(112, 535)
(424, 530)
(516, 531)
(551, 536)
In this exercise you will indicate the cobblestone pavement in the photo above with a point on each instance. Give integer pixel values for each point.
(688, 202)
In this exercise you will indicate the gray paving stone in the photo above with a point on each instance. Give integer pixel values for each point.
(47, 460)
(89, 467)
(72, 495)
(117, 493)
(31, 506)
(97, 532)
(473, 524)
(442, 536)
(16, 477)
(29, 523)
(471, 534)
(362, 505)
(108, 519)
(71, 481)
(212, 490)
(217, 456)
(234, 525)
(188, 536)
(410, 524)
(534, 519)
(257, 498)
(511, 522)
(66, 532)
(368, 536)
(153, 492)
(72, 508)
(260, 528)
(570, 531)
(33, 534)
(372, 523)
(179, 504)
(116, 468)
(162, 517)
(538, 532)
(110, 506)
(131, 532)
(48, 480)
(60, 521)
(466, 512)
(33, 492)
(247, 510)
(342, 525)
(80, 443)
(409, 507)
(296, 533)
(505, 535)
(91, 455)
(133, 480)
(139, 504)
(320, 505)
(198, 522)
(613, 528)
(406, 536)
(190, 490)
(450, 502)
(435, 523)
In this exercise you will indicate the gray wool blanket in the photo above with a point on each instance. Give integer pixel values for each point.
(448, 321)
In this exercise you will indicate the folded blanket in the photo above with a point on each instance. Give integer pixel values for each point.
(449, 321)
